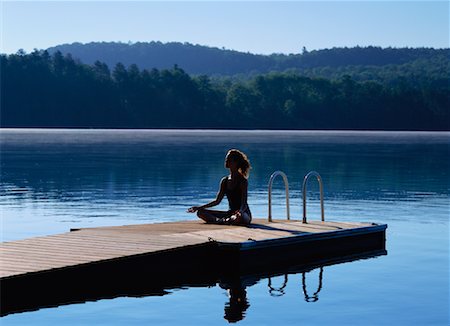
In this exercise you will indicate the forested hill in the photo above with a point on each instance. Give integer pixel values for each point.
(203, 60)
(43, 90)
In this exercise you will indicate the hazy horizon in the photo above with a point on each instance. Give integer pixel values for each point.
(221, 47)
(256, 27)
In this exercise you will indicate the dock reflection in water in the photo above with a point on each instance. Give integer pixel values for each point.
(236, 285)
(238, 303)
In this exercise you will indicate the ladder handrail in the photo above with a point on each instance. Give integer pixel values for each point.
(277, 292)
(305, 181)
(286, 186)
(315, 296)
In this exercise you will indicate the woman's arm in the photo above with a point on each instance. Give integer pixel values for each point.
(215, 202)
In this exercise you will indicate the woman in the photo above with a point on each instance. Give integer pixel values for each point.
(235, 188)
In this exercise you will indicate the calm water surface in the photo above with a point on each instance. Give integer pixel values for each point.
(54, 180)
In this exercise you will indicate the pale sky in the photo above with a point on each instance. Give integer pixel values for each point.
(254, 26)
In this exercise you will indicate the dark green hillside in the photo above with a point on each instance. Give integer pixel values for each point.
(42, 90)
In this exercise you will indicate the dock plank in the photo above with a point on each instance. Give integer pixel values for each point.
(81, 241)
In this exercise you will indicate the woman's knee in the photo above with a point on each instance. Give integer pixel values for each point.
(205, 216)
(201, 212)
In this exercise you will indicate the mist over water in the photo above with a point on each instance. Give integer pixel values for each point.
(54, 180)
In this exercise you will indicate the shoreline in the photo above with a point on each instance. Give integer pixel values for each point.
(215, 136)
(218, 130)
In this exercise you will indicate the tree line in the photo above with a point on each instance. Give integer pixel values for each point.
(43, 90)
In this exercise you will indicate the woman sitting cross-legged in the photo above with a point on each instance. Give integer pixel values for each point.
(234, 186)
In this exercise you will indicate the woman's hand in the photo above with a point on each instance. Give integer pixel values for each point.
(192, 209)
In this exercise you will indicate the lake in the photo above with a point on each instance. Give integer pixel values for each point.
(54, 180)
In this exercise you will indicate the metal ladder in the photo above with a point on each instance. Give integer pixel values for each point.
(286, 186)
(305, 182)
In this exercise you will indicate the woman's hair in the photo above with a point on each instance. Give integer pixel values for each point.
(242, 161)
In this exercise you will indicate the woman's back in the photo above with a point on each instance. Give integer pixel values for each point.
(233, 191)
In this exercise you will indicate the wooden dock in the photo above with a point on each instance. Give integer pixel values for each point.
(109, 261)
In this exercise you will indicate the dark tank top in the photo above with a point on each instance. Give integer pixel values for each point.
(234, 196)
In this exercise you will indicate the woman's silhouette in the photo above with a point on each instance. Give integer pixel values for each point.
(234, 186)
